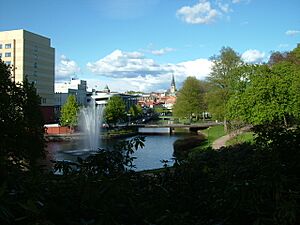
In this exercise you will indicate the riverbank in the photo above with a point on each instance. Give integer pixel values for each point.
(79, 135)
(221, 142)
(63, 137)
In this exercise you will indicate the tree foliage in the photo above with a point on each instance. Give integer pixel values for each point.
(222, 77)
(69, 112)
(243, 184)
(115, 110)
(190, 99)
(135, 111)
(267, 94)
(21, 123)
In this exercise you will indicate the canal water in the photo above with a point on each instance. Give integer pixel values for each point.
(157, 148)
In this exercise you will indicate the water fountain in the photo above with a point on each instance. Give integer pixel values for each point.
(91, 118)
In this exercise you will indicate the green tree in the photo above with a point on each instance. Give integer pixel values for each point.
(161, 109)
(69, 112)
(270, 94)
(190, 100)
(115, 110)
(21, 124)
(135, 110)
(266, 98)
(222, 78)
(33, 123)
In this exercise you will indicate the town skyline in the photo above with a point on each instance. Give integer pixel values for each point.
(138, 45)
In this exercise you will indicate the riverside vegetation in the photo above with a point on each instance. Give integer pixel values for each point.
(251, 183)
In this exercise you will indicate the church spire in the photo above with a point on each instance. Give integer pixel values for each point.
(173, 85)
(173, 81)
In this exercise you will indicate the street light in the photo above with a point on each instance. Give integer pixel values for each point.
(208, 135)
(128, 118)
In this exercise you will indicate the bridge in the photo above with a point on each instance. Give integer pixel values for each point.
(169, 128)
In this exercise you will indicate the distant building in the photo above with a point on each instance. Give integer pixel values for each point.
(169, 102)
(155, 99)
(102, 97)
(31, 55)
(106, 89)
(75, 87)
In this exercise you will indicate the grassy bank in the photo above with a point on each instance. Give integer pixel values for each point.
(241, 138)
(211, 133)
(120, 133)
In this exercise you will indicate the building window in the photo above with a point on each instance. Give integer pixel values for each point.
(44, 100)
(0, 55)
(7, 45)
(35, 65)
(7, 54)
(8, 63)
(0, 46)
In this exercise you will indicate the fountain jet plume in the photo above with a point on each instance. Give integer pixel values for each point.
(91, 118)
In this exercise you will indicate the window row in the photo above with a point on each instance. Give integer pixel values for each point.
(7, 54)
(7, 46)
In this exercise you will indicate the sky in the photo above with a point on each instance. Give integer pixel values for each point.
(138, 44)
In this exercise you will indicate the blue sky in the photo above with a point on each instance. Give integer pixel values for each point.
(139, 44)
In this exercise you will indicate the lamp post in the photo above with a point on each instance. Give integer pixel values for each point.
(208, 135)
(128, 118)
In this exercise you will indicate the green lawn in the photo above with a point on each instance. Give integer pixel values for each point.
(241, 138)
(212, 133)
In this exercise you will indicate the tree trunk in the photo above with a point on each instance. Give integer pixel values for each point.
(225, 125)
(284, 121)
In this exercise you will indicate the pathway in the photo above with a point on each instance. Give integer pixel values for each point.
(221, 142)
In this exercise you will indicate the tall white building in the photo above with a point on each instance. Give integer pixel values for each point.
(31, 55)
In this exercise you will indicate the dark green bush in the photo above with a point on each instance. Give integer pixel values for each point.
(182, 147)
(243, 184)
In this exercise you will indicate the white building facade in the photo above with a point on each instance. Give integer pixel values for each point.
(75, 87)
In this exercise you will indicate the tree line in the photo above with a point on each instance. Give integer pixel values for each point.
(115, 111)
(247, 93)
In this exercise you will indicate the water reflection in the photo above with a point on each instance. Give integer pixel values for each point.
(157, 148)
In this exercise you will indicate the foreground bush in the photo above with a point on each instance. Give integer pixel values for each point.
(183, 147)
(244, 184)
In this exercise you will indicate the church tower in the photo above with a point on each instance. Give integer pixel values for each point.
(173, 86)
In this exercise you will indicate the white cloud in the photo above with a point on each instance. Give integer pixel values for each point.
(200, 68)
(146, 84)
(292, 32)
(224, 7)
(162, 51)
(206, 11)
(124, 64)
(201, 13)
(132, 71)
(66, 68)
(253, 56)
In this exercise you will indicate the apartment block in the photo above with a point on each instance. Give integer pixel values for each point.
(31, 55)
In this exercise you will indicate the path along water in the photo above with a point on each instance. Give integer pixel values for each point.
(221, 142)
